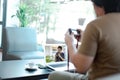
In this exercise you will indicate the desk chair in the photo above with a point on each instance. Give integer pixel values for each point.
(20, 43)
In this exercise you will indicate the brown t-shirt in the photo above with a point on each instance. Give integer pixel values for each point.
(101, 40)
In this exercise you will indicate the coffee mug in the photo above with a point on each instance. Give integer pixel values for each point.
(31, 64)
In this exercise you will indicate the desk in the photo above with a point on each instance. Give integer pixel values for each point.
(15, 70)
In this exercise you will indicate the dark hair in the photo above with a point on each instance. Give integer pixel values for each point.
(60, 47)
(108, 5)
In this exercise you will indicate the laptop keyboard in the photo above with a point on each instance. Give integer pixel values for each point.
(58, 65)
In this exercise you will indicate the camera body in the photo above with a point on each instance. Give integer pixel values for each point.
(75, 31)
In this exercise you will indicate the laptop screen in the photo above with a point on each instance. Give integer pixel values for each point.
(57, 59)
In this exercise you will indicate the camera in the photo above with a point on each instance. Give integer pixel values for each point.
(76, 32)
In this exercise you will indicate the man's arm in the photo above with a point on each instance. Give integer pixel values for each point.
(84, 56)
(61, 57)
(56, 57)
(81, 62)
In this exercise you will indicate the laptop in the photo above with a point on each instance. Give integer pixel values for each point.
(61, 66)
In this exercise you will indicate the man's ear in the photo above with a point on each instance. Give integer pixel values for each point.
(99, 10)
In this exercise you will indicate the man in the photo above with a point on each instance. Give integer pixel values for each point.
(59, 56)
(99, 51)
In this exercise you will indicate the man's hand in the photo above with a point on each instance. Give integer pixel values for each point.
(78, 37)
(61, 57)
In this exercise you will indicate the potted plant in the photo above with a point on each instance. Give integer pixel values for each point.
(21, 15)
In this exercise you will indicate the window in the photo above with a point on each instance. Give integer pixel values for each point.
(1, 10)
(52, 18)
(1, 17)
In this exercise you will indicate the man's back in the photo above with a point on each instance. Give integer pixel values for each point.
(107, 60)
